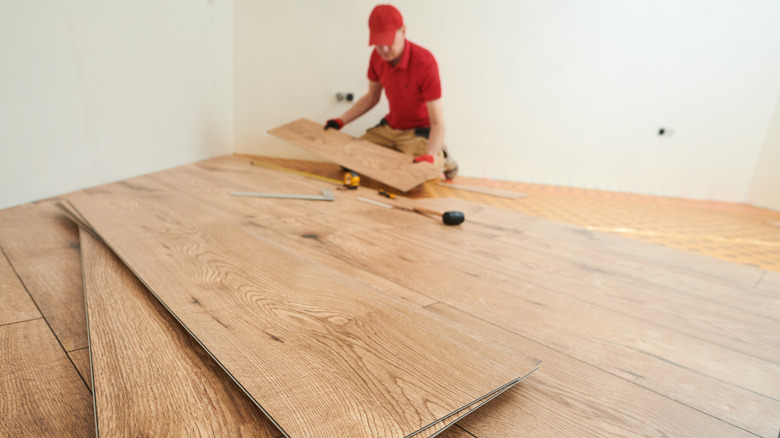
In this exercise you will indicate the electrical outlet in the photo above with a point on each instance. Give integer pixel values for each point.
(345, 96)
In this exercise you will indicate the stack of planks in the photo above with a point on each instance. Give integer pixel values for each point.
(253, 337)
(222, 316)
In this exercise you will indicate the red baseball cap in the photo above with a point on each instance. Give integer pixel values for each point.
(384, 22)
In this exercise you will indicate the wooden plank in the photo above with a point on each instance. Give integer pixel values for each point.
(572, 398)
(15, 304)
(42, 246)
(498, 222)
(210, 183)
(693, 274)
(42, 394)
(236, 171)
(602, 281)
(770, 282)
(441, 426)
(136, 344)
(382, 164)
(655, 357)
(258, 324)
(491, 191)
(456, 432)
(80, 359)
(516, 360)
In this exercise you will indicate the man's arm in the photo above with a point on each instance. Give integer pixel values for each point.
(362, 106)
(436, 136)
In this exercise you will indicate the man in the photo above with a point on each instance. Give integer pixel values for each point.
(410, 77)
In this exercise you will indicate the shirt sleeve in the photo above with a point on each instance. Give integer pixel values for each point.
(430, 86)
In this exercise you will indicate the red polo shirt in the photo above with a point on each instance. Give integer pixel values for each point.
(408, 86)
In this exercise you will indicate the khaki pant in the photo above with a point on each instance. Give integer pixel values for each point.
(403, 140)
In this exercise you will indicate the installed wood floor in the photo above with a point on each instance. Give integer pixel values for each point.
(733, 232)
(637, 339)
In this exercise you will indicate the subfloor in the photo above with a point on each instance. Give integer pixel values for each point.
(739, 233)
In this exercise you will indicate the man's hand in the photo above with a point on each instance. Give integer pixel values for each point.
(334, 124)
(421, 158)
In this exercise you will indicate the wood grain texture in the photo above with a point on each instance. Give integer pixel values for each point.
(572, 398)
(236, 171)
(151, 377)
(499, 222)
(456, 432)
(201, 191)
(770, 282)
(441, 426)
(491, 191)
(571, 305)
(699, 276)
(655, 357)
(42, 394)
(277, 334)
(15, 304)
(42, 246)
(608, 282)
(382, 164)
(80, 359)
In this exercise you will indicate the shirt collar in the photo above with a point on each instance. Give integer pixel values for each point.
(404, 62)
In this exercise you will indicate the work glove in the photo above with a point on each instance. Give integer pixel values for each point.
(426, 157)
(334, 124)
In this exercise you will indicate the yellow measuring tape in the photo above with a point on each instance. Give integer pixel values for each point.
(297, 172)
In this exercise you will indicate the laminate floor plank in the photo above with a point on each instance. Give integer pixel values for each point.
(227, 172)
(729, 385)
(15, 304)
(595, 281)
(42, 394)
(747, 299)
(628, 257)
(602, 281)
(456, 432)
(278, 215)
(572, 398)
(42, 246)
(151, 377)
(279, 230)
(80, 359)
(248, 319)
(382, 164)
(499, 222)
(439, 427)
(770, 282)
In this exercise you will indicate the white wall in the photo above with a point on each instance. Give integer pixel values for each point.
(566, 92)
(93, 91)
(291, 58)
(765, 187)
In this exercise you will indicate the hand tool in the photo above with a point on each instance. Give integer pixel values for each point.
(448, 217)
(384, 193)
(327, 195)
(351, 180)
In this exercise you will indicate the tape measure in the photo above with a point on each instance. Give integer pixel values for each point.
(351, 180)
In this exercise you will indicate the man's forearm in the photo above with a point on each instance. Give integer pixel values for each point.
(436, 139)
(362, 106)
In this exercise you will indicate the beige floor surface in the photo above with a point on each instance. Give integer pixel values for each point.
(736, 232)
